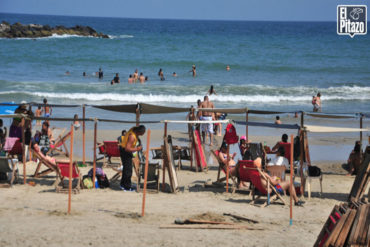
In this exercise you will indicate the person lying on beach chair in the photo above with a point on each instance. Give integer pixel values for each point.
(44, 159)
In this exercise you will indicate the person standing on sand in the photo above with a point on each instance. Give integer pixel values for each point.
(47, 110)
(127, 148)
(38, 113)
(207, 116)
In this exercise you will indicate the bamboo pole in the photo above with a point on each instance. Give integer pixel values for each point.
(70, 171)
(94, 161)
(301, 162)
(227, 168)
(164, 161)
(83, 135)
(246, 126)
(361, 118)
(24, 152)
(291, 179)
(146, 172)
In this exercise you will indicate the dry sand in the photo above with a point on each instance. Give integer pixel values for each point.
(36, 215)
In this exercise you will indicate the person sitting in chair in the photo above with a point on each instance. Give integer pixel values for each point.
(354, 160)
(279, 160)
(223, 157)
(284, 140)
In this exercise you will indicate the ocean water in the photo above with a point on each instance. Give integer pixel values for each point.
(274, 65)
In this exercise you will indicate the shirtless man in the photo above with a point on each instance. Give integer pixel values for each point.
(316, 102)
(136, 76)
(130, 79)
(38, 113)
(115, 79)
(142, 78)
(207, 116)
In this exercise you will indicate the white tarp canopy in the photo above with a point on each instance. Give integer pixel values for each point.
(328, 129)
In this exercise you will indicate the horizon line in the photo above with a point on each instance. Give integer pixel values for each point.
(175, 19)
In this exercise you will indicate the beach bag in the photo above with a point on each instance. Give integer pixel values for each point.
(99, 172)
(87, 182)
(230, 136)
(314, 171)
(103, 181)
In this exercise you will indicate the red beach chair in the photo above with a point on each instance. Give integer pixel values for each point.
(63, 167)
(111, 150)
(250, 173)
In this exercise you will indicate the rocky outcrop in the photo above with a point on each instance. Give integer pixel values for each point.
(17, 30)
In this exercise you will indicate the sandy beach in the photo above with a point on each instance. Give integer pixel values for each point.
(37, 215)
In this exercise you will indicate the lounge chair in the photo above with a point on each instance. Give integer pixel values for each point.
(111, 150)
(250, 173)
(222, 167)
(59, 144)
(5, 168)
(51, 167)
(63, 168)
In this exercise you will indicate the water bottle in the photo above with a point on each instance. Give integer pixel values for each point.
(96, 183)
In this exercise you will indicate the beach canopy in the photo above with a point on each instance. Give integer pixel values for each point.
(7, 108)
(269, 125)
(328, 129)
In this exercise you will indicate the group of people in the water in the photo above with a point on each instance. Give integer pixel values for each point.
(136, 77)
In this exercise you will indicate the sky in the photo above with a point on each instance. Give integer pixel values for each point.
(259, 10)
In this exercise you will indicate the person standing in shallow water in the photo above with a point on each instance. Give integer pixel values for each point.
(161, 75)
(316, 102)
(193, 70)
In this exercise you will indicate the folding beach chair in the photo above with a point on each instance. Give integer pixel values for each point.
(222, 167)
(101, 151)
(59, 144)
(249, 172)
(63, 168)
(50, 167)
(278, 171)
(111, 150)
(6, 166)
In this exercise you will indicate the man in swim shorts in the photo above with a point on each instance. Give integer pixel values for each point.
(47, 110)
(207, 128)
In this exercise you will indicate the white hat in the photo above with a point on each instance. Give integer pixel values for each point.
(23, 102)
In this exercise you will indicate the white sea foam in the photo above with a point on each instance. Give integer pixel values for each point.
(122, 36)
(158, 98)
(56, 36)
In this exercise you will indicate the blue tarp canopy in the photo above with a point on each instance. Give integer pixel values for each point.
(7, 109)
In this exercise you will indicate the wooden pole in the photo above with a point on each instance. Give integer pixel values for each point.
(361, 128)
(246, 126)
(302, 120)
(227, 168)
(29, 144)
(70, 172)
(164, 161)
(146, 172)
(137, 115)
(94, 162)
(24, 152)
(83, 135)
(291, 179)
(301, 162)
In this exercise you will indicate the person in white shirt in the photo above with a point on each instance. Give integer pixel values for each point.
(279, 160)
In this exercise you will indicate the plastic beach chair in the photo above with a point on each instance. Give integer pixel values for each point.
(111, 150)
(50, 167)
(222, 167)
(59, 144)
(63, 167)
(250, 173)
(5, 168)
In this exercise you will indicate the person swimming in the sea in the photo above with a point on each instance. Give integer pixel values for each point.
(212, 91)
